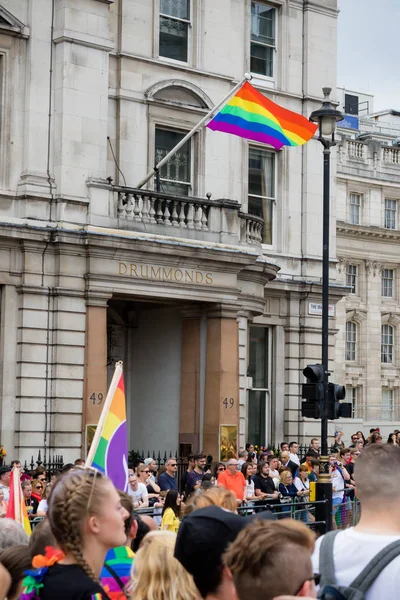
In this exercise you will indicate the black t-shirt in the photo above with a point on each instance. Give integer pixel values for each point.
(265, 484)
(31, 505)
(70, 582)
(350, 469)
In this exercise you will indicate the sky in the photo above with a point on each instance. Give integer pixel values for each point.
(369, 50)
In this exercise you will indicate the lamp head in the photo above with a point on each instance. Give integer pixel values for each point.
(327, 116)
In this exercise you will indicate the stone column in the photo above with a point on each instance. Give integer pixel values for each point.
(189, 411)
(8, 366)
(95, 385)
(221, 403)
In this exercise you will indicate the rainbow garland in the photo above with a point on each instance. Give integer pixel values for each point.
(251, 115)
(33, 581)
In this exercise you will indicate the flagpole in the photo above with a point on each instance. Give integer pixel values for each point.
(104, 412)
(187, 137)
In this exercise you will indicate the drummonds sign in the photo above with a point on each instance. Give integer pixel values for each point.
(158, 273)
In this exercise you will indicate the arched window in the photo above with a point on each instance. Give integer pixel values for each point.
(387, 336)
(351, 340)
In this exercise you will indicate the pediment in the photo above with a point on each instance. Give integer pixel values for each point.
(10, 24)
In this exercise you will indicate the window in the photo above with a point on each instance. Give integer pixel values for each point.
(175, 175)
(351, 277)
(263, 39)
(390, 214)
(261, 199)
(355, 209)
(351, 340)
(352, 395)
(387, 344)
(174, 29)
(387, 283)
(350, 104)
(387, 404)
(258, 369)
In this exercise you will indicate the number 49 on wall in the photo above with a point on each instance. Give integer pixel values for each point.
(228, 402)
(96, 398)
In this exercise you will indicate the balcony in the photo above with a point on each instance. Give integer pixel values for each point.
(219, 221)
(369, 159)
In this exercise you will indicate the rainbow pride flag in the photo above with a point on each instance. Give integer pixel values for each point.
(16, 508)
(249, 114)
(109, 450)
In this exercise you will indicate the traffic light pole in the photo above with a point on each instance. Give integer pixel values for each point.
(324, 484)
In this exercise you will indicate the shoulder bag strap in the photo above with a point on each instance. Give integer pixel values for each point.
(326, 562)
(116, 576)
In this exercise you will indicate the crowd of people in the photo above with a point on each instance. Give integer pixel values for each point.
(96, 542)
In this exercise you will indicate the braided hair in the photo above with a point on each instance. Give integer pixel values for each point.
(75, 496)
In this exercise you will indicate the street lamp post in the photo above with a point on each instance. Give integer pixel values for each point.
(326, 117)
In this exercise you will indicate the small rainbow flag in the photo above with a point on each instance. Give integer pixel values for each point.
(109, 450)
(16, 508)
(249, 114)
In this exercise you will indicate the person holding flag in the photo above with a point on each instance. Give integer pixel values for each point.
(87, 519)
(16, 508)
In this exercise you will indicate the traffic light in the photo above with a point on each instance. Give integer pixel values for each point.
(313, 392)
(337, 409)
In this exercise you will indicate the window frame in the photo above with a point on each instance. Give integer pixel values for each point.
(353, 394)
(387, 406)
(349, 104)
(387, 347)
(274, 200)
(192, 143)
(190, 35)
(353, 204)
(350, 353)
(386, 279)
(260, 76)
(354, 276)
(396, 217)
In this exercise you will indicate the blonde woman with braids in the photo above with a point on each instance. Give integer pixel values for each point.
(87, 519)
(157, 575)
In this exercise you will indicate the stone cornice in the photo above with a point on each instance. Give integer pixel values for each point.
(13, 26)
(321, 6)
(83, 39)
(361, 231)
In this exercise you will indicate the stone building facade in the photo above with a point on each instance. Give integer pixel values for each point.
(368, 319)
(208, 290)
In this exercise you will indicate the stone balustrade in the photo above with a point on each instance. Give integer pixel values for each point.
(355, 149)
(185, 216)
(391, 155)
(369, 158)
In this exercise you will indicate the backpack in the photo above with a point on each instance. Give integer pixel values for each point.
(330, 590)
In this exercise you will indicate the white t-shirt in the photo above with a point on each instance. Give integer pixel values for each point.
(250, 493)
(43, 505)
(275, 476)
(352, 551)
(141, 494)
(294, 458)
(6, 491)
(337, 483)
(301, 485)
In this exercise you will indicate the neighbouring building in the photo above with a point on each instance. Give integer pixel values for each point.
(208, 289)
(368, 234)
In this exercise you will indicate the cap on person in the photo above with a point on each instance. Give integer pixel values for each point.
(202, 539)
(4, 470)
